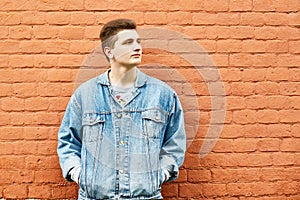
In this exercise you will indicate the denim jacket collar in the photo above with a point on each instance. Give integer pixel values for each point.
(139, 82)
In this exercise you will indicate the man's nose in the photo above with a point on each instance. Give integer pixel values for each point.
(137, 46)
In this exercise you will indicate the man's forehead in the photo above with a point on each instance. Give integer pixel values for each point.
(128, 34)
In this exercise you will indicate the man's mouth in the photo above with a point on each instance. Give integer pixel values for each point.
(136, 55)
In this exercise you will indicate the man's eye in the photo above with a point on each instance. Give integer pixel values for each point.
(127, 42)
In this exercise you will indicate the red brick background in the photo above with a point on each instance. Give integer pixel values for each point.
(254, 43)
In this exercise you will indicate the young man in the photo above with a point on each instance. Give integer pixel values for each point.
(123, 133)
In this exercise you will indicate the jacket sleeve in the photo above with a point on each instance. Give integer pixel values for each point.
(174, 144)
(69, 138)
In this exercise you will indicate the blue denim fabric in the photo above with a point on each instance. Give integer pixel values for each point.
(122, 151)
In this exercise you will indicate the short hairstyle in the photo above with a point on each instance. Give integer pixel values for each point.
(112, 28)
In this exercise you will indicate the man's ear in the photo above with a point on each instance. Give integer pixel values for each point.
(108, 53)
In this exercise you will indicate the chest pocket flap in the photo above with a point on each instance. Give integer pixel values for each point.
(154, 115)
(92, 119)
(92, 127)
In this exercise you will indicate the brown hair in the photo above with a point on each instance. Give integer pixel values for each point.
(112, 28)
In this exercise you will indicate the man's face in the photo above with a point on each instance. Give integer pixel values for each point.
(127, 50)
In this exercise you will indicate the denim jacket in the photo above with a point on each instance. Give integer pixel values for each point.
(122, 151)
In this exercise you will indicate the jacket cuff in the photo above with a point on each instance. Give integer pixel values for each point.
(69, 164)
(169, 164)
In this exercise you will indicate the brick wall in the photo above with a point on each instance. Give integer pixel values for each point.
(254, 43)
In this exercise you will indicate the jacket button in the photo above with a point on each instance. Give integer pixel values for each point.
(119, 115)
(121, 171)
(123, 142)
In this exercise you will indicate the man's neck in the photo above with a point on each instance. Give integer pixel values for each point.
(122, 76)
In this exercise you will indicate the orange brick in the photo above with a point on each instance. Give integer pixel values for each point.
(15, 191)
(204, 18)
(190, 190)
(252, 19)
(45, 61)
(267, 5)
(179, 17)
(278, 102)
(96, 5)
(72, 5)
(283, 158)
(267, 116)
(294, 46)
(288, 60)
(7, 148)
(214, 189)
(227, 19)
(21, 61)
(288, 33)
(232, 46)
(267, 88)
(295, 130)
(276, 19)
(57, 46)
(82, 47)
(241, 32)
(286, 5)
(278, 74)
(155, 18)
(242, 89)
(294, 19)
(48, 119)
(25, 147)
(253, 46)
(6, 90)
(253, 75)
(71, 33)
(36, 104)
(45, 32)
(137, 16)
(266, 33)
(255, 102)
(48, 176)
(31, 75)
(20, 32)
(69, 191)
(240, 5)
(33, 18)
(58, 18)
(9, 46)
(56, 75)
(39, 191)
(289, 88)
(269, 144)
(24, 89)
(49, 5)
(36, 133)
(83, 18)
(166, 5)
(58, 104)
(33, 46)
(289, 116)
(4, 32)
(169, 190)
(7, 5)
(277, 46)
(215, 5)
(264, 60)
(12, 104)
(241, 60)
(218, 32)
(4, 60)
(12, 162)
(11, 18)
(244, 117)
(295, 102)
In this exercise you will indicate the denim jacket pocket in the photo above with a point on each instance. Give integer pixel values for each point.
(153, 121)
(92, 127)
